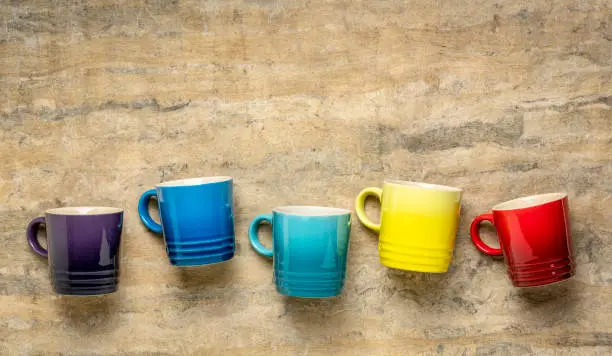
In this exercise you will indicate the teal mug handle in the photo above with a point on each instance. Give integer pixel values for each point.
(254, 239)
(143, 211)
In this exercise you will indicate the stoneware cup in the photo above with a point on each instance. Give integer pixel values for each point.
(83, 246)
(418, 224)
(197, 219)
(309, 249)
(534, 236)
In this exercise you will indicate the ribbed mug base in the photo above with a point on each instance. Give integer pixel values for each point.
(309, 285)
(200, 260)
(539, 274)
(305, 292)
(417, 259)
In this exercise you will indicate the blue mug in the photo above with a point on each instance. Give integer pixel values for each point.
(197, 219)
(309, 249)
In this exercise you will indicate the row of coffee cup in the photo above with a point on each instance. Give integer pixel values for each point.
(417, 230)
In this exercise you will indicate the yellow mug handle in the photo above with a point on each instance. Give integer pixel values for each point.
(360, 206)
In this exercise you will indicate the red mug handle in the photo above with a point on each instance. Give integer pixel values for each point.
(474, 231)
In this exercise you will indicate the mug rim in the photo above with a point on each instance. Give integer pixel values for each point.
(429, 186)
(187, 182)
(301, 210)
(529, 201)
(83, 210)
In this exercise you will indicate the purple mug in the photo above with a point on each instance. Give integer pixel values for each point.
(83, 248)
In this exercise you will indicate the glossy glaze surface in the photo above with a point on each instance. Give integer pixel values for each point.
(197, 221)
(309, 252)
(418, 224)
(535, 242)
(83, 251)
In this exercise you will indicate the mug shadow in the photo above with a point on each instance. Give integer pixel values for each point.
(422, 286)
(159, 240)
(563, 291)
(205, 286)
(198, 278)
(551, 304)
(90, 314)
(312, 311)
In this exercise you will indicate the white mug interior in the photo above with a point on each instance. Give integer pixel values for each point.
(443, 188)
(194, 181)
(84, 210)
(303, 210)
(530, 201)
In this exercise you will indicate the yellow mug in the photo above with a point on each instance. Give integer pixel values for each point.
(418, 224)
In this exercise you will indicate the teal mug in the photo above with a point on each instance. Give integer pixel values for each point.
(309, 249)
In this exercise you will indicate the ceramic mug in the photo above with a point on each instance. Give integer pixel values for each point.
(309, 249)
(83, 246)
(534, 236)
(418, 224)
(197, 219)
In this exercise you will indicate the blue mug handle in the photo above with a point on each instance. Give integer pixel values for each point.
(143, 211)
(254, 239)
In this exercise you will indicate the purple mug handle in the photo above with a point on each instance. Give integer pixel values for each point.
(31, 232)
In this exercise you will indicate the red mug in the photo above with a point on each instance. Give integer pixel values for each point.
(534, 236)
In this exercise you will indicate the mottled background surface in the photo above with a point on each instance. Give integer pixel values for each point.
(305, 102)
